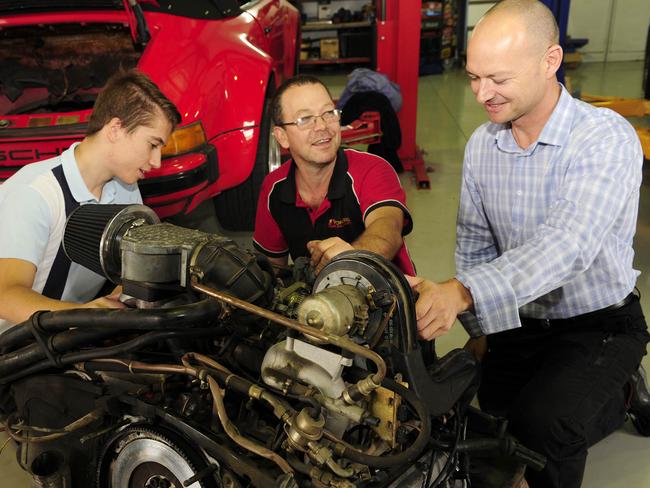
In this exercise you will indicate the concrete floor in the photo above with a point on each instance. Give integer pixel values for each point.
(447, 116)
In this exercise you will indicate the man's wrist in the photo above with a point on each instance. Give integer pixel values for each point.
(465, 299)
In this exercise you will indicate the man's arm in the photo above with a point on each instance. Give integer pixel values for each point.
(18, 301)
(475, 242)
(597, 186)
(383, 235)
(267, 236)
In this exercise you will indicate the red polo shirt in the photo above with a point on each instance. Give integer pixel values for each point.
(361, 182)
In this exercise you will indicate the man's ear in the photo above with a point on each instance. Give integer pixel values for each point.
(281, 136)
(553, 59)
(114, 129)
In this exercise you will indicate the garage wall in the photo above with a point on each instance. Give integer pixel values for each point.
(616, 29)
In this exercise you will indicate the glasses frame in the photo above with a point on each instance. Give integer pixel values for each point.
(311, 119)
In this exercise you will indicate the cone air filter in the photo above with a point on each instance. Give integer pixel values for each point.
(93, 233)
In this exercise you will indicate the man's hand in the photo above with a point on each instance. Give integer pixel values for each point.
(438, 305)
(323, 251)
(108, 301)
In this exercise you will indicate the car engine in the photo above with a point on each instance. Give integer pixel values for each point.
(225, 371)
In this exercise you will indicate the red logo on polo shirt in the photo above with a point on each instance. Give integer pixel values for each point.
(339, 223)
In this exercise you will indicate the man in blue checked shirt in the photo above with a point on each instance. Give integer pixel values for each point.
(548, 211)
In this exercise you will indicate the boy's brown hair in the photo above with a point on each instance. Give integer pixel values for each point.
(131, 97)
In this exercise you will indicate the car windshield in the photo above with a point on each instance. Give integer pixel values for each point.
(33, 6)
(202, 9)
(199, 9)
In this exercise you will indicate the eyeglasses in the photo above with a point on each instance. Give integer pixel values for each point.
(329, 117)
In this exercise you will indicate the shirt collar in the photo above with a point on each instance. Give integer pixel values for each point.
(80, 191)
(336, 187)
(555, 132)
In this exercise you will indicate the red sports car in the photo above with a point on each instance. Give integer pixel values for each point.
(218, 60)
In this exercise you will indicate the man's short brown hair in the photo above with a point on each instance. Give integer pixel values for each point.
(299, 80)
(131, 97)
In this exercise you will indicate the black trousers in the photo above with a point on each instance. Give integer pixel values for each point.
(560, 383)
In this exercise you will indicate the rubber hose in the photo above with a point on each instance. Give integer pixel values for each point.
(59, 343)
(129, 346)
(204, 313)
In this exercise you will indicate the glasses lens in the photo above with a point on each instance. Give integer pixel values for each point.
(330, 116)
(305, 121)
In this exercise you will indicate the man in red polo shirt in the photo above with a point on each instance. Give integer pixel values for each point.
(326, 200)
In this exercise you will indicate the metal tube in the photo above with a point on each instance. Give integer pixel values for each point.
(220, 410)
(204, 360)
(282, 410)
(137, 366)
(297, 326)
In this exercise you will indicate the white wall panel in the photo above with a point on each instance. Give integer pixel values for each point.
(590, 19)
(616, 29)
(629, 28)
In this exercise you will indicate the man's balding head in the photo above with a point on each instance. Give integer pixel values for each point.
(533, 17)
(512, 60)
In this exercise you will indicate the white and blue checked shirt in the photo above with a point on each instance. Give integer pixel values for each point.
(546, 231)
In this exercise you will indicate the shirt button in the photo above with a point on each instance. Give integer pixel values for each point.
(519, 192)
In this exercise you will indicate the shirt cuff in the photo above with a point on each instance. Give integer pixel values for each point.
(495, 301)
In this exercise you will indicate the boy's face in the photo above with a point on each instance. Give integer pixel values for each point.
(140, 151)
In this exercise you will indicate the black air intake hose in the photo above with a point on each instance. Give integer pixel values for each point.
(236, 271)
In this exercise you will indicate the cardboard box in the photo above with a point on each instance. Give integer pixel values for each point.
(325, 12)
(329, 48)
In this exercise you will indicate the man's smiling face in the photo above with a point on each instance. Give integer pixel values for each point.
(317, 143)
